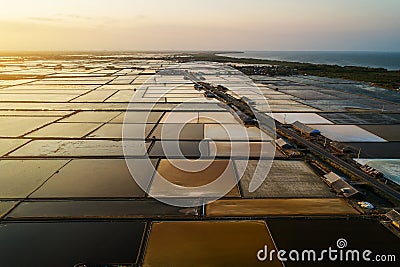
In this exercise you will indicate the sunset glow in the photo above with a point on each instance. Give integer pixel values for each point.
(204, 25)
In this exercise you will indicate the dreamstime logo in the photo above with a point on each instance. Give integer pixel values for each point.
(341, 243)
(171, 87)
(331, 254)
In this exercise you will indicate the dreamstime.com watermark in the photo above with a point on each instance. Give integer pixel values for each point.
(333, 254)
(182, 112)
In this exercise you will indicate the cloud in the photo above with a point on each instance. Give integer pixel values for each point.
(73, 16)
(141, 17)
(62, 18)
(44, 19)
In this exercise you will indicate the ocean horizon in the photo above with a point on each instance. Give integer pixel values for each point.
(386, 60)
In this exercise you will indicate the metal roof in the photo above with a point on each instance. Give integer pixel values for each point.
(282, 143)
(340, 185)
(331, 177)
(394, 216)
(305, 128)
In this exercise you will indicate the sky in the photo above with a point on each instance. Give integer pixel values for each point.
(351, 25)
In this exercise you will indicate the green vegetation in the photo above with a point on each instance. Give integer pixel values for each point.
(376, 76)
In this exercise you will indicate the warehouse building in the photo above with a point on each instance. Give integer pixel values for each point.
(339, 185)
(305, 129)
(394, 216)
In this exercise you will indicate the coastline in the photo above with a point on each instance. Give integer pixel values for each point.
(369, 59)
(379, 77)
